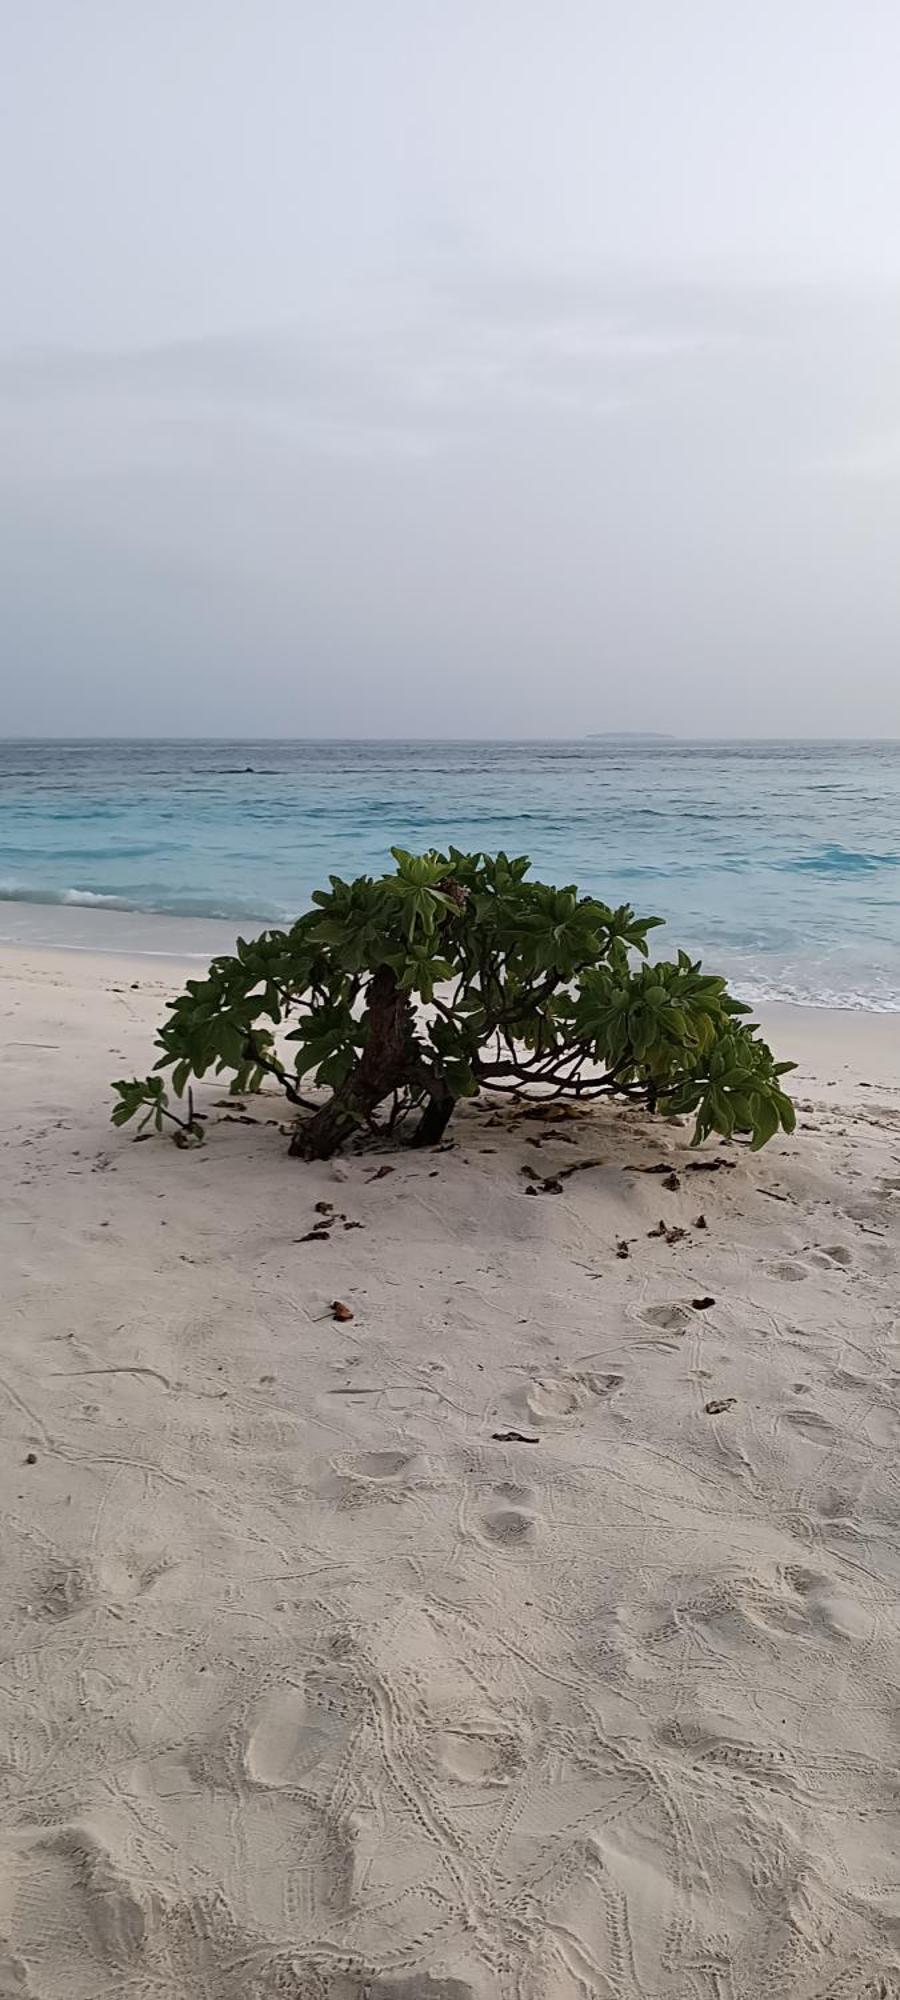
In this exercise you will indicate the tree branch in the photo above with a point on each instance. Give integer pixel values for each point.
(274, 1068)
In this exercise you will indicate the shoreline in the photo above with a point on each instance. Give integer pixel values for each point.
(836, 1048)
(85, 931)
(111, 933)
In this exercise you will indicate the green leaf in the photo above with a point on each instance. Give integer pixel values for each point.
(496, 975)
(766, 1121)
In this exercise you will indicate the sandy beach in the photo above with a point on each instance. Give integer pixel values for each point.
(531, 1634)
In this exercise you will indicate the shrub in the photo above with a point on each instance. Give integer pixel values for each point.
(457, 972)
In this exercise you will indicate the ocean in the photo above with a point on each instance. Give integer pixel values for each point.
(779, 862)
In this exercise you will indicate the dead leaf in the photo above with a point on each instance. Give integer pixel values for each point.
(317, 1235)
(702, 1305)
(324, 1207)
(718, 1407)
(513, 1437)
(622, 1249)
(381, 1172)
(670, 1232)
(710, 1166)
(672, 1182)
(340, 1312)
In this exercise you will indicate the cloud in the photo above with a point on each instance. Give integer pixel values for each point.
(547, 502)
(874, 459)
(407, 359)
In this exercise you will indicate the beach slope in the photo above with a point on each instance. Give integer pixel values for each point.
(531, 1633)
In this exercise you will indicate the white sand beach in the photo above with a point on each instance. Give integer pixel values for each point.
(531, 1634)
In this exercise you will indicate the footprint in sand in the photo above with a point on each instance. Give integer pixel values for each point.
(833, 1505)
(354, 1482)
(669, 1318)
(831, 1608)
(552, 1397)
(71, 1894)
(293, 1728)
(512, 1523)
(66, 1590)
(809, 1424)
(741, 1610)
(509, 1526)
(831, 1255)
(477, 1757)
(790, 1274)
(380, 1465)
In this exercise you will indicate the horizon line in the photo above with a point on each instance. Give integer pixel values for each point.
(636, 736)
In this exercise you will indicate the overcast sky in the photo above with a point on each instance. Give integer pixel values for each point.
(385, 367)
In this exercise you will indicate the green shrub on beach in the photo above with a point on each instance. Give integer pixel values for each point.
(456, 973)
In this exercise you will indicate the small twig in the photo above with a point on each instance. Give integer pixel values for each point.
(579, 1167)
(124, 1368)
(274, 1068)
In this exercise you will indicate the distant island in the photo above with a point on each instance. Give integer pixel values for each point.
(630, 736)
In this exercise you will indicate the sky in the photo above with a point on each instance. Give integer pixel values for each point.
(450, 367)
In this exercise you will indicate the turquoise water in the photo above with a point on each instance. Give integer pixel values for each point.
(779, 861)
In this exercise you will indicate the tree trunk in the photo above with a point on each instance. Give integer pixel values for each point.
(381, 1069)
(436, 1115)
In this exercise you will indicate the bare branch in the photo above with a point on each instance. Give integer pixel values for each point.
(273, 1067)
